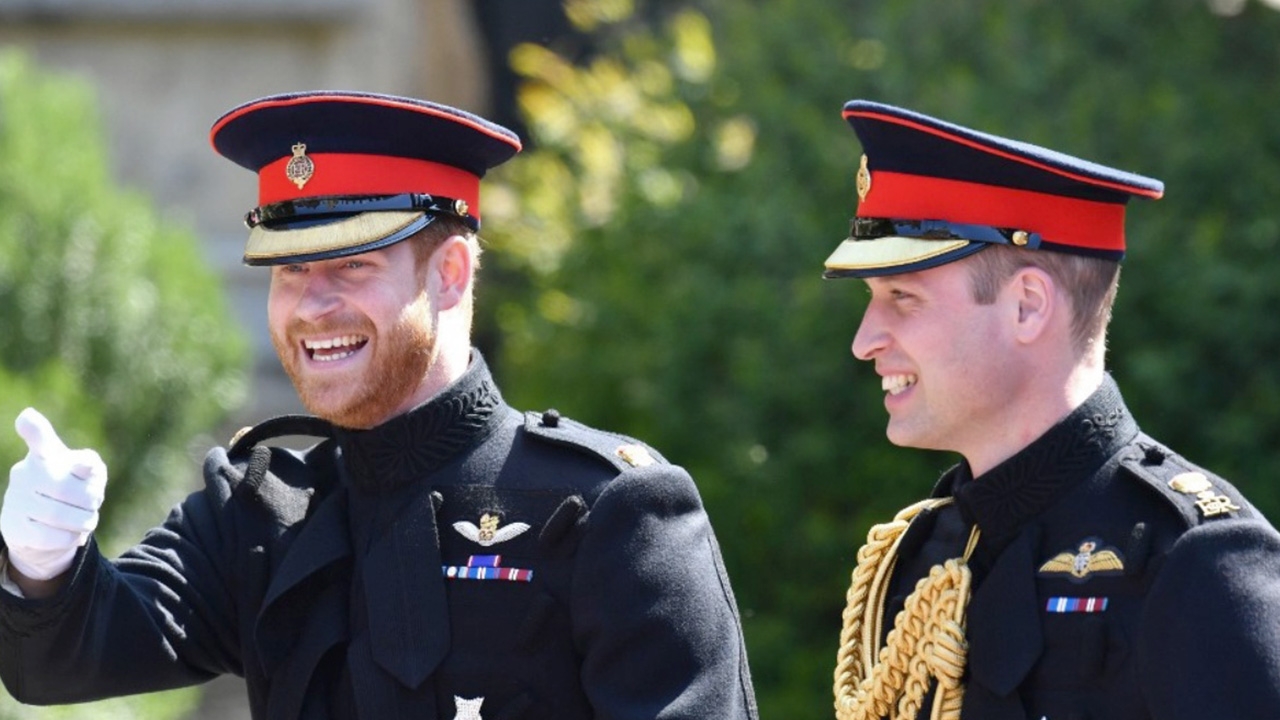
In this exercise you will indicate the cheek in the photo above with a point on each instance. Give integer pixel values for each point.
(976, 355)
(948, 352)
(277, 311)
(417, 316)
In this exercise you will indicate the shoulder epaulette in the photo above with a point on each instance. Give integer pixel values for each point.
(250, 435)
(1194, 493)
(620, 451)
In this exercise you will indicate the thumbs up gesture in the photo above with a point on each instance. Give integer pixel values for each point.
(52, 502)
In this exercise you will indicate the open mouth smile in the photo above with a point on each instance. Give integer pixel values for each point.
(336, 348)
(896, 384)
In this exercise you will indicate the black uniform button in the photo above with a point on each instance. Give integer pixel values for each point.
(551, 418)
(1152, 455)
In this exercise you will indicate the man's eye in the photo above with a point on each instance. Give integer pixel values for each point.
(354, 264)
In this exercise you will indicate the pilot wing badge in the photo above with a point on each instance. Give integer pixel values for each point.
(1090, 559)
(488, 532)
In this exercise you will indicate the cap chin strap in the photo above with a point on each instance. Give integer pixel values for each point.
(863, 228)
(871, 683)
(325, 208)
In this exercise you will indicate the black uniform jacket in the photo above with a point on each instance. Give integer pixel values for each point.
(460, 561)
(1113, 580)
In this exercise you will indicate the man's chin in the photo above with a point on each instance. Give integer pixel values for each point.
(328, 405)
(903, 436)
(914, 438)
(349, 418)
(351, 413)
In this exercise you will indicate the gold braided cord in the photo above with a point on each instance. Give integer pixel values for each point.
(927, 642)
(867, 587)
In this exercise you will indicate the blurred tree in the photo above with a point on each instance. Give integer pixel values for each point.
(661, 250)
(115, 327)
(503, 24)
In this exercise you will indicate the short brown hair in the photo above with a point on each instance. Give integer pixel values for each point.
(441, 229)
(1090, 283)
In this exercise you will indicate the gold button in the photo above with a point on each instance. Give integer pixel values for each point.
(1020, 238)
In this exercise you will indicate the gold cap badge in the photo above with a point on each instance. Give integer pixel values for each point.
(300, 167)
(864, 179)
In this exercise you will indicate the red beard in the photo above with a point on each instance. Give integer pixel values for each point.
(381, 387)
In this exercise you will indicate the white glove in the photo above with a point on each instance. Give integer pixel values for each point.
(52, 502)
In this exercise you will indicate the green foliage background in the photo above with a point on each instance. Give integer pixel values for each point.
(659, 252)
(658, 255)
(114, 326)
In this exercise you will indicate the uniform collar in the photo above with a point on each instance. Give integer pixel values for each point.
(1001, 500)
(425, 439)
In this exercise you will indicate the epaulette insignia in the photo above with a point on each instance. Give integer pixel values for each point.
(467, 708)
(620, 451)
(488, 533)
(1210, 502)
(1085, 562)
(635, 455)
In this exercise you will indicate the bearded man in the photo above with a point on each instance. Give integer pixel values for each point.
(438, 554)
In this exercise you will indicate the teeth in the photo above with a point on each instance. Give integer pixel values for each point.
(334, 356)
(344, 341)
(894, 384)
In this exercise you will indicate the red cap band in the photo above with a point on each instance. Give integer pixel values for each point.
(352, 174)
(1058, 219)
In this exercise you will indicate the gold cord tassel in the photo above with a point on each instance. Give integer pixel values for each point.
(927, 640)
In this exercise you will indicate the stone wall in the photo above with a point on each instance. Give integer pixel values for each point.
(164, 70)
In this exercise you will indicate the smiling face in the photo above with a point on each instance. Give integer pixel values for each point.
(943, 360)
(356, 335)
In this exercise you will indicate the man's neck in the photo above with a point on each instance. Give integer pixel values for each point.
(450, 363)
(1044, 404)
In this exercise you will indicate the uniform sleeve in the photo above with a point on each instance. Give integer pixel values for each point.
(159, 617)
(653, 612)
(1209, 644)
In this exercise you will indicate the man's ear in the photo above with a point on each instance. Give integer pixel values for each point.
(450, 271)
(1035, 295)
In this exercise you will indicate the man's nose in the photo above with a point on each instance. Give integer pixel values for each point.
(871, 338)
(319, 298)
